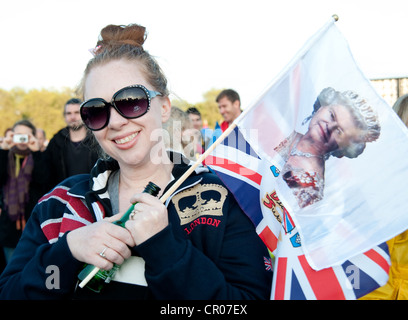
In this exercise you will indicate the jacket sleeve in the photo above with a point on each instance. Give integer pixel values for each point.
(41, 173)
(38, 269)
(50, 160)
(176, 269)
(3, 166)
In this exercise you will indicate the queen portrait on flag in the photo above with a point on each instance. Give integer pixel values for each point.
(340, 125)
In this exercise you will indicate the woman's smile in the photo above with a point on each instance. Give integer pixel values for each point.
(127, 141)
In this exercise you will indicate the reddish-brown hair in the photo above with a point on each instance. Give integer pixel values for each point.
(126, 42)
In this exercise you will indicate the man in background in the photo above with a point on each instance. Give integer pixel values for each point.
(70, 151)
(229, 105)
(205, 132)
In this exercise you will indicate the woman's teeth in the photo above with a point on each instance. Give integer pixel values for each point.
(126, 139)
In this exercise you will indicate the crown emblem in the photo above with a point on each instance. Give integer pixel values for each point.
(202, 199)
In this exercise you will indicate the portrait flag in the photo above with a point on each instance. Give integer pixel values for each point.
(317, 163)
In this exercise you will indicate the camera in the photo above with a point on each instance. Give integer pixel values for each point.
(20, 138)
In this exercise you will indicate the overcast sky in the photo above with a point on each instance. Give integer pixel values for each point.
(199, 44)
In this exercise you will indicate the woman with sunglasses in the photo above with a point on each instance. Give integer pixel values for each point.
(199, 245)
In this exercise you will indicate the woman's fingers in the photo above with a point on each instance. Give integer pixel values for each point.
(101, 244)
(149, 219)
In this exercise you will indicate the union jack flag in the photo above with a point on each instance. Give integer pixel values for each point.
(356, 277)
(242, 171)
(268, 264)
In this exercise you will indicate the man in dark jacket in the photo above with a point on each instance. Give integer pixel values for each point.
(70, 151)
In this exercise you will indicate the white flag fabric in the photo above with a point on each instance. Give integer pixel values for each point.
(337, 152)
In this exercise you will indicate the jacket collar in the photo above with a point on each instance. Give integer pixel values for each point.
(104, 167)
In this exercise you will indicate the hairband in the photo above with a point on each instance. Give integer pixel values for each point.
(93, 51)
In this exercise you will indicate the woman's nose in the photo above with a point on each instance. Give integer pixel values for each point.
(116, 120)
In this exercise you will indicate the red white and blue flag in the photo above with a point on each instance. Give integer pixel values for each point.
(324, 226)
(294, 279)
(242, 171)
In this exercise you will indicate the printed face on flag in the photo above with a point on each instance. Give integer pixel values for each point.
(334, 128)
(340, 125)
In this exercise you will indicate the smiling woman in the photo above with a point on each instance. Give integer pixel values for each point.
(341, 124)
(161, 249)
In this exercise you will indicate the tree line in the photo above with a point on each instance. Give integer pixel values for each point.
(44, 107)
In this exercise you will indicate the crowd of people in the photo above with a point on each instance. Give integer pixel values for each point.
(58, 198)
(188, 133)
(30, 166)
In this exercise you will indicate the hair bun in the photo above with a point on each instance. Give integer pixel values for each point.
(117, 35)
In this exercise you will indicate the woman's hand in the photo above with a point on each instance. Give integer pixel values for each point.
(7, 142)
(150, 218)
(87, 243)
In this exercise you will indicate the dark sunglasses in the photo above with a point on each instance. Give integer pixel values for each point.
(130, 102)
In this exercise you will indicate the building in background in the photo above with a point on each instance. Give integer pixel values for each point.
(391, 88)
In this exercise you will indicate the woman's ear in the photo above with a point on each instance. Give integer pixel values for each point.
(165, 109)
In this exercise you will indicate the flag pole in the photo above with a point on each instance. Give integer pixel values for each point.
(174, 187)
(198, 162)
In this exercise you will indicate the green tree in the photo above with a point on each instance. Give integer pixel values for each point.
(208, 107)
(43, 107)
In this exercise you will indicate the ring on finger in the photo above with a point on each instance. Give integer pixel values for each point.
(102, 253)
(133, 213)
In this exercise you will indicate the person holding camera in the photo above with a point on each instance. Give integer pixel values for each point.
(23, 174)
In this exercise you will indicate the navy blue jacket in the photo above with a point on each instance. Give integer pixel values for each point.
(210, 250)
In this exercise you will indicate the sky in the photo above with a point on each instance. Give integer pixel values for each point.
(199, 44)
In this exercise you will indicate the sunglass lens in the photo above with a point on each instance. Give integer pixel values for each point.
(94, 114)
(132, 102)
